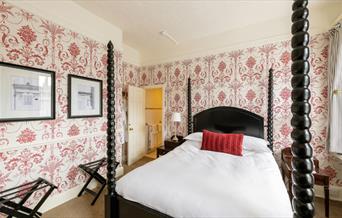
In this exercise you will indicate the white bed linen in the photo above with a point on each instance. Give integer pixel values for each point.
(189, 182)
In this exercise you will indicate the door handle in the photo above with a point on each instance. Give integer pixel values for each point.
(130, 129)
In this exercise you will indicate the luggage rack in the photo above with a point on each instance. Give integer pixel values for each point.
(12, 200)
(92, 169)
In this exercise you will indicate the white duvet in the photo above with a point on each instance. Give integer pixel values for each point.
(189, 182)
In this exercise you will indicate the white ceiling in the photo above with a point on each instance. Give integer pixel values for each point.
(190, 21)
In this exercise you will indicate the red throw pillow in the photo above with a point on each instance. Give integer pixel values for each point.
(220, 142)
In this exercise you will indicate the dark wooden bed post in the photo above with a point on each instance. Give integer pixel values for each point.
(270, 110)
(302, 151)
(189, 107)
(111, 205)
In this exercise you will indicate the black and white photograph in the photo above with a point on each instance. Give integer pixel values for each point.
(28, 93)
(85, 97)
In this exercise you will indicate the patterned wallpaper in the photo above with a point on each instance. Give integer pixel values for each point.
(53, 148)
(130, 74)
(239, 78)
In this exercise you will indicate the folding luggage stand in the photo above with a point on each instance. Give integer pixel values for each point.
(92, 169)
(12, 200)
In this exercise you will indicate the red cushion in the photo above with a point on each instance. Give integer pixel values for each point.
(220, 142)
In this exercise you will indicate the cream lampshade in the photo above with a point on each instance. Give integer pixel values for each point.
(176, 117)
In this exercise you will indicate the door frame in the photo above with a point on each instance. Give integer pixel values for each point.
(162, 86)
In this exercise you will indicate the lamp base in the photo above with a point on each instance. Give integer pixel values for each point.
(174, 138)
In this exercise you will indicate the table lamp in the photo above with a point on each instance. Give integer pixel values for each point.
(176, 118)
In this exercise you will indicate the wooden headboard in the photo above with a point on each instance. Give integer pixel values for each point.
(229, 120)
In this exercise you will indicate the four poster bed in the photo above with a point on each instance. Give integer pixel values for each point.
(198, 191)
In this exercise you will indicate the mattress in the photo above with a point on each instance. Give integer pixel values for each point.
(189, 182)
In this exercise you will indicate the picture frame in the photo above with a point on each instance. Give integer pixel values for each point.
(84, 97)
(27, 93)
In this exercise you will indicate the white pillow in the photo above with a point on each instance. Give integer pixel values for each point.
(250, 143)
(255, 144)
(196, 136)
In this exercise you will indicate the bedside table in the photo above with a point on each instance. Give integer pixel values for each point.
(162, 150)
(168, 146)
(173, 144)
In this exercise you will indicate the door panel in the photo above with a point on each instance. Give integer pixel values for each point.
(136, 124)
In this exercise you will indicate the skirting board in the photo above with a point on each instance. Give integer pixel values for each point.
(339, 156)
(70, 194)
(335, 193)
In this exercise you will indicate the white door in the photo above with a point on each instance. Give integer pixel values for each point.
(136, 124)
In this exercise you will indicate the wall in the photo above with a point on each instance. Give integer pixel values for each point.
(154, 114)
(131, 55)
(154, 98)
(131, 74)
(53, 148)
(239, 78)
(154, 104)
(85, 22)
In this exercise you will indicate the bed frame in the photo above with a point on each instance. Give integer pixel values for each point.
(302, 203)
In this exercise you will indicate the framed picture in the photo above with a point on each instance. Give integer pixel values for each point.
(26, 93)
(84, 97)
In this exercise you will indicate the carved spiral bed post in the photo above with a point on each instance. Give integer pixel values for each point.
(111, 204)
(302, 151)
(189, 107)
(270, 110)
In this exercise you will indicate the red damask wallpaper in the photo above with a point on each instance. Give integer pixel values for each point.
(54, 148)
(239, 78)
(130, 74)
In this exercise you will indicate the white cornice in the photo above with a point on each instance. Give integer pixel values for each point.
(226, 48)
(338, 19)
(274, 30)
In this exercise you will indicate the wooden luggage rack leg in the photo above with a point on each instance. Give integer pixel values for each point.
(92, 169)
